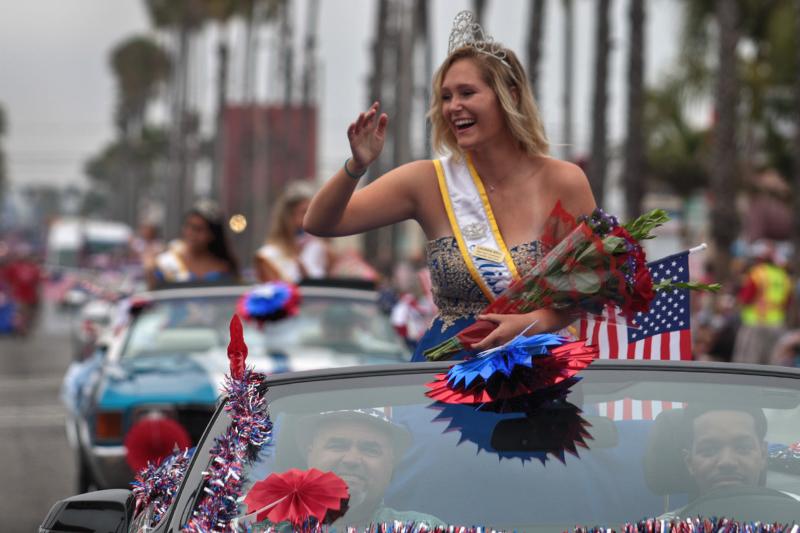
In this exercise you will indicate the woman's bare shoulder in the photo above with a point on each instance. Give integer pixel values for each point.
(564, 172)
(420, 169)
(569, 185)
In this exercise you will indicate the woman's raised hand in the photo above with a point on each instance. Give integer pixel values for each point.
(366, 136)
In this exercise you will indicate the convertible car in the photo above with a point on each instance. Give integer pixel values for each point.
(156, 379)
(630, 440)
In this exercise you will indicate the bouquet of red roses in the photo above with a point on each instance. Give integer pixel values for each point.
(599, 262)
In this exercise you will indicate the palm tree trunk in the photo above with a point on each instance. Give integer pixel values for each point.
(479, 8)
(796, 195)
(372, 239)
(725, 179)
(177, 202)
(223, 55)
(569, 59)
(635, 172)
(287, 52)
(536, 24)
(423, 25)
(310, 52)
(599, 157)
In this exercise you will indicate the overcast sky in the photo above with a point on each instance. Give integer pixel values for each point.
(58, 91)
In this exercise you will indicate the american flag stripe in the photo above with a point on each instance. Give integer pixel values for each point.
(630, 409)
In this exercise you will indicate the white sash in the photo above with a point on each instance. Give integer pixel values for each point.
(171, 267)
(474, 226)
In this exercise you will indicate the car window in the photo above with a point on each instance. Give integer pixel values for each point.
(326, 332)
(339, 327)
(619, 447)
(183, 325)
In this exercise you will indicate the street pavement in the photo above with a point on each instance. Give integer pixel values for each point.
(36, 465)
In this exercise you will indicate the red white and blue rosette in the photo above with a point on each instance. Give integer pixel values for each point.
(269, 302)
(523, 366)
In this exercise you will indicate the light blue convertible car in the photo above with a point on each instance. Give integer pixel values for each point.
(155, 379)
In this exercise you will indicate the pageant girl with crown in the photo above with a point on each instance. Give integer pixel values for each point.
(483, 206)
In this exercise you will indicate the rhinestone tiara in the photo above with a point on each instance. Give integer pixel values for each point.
(467, 32)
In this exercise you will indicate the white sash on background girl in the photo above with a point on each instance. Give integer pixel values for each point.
(171, 267)
(474, 227)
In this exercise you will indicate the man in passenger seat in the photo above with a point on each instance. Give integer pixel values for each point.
(726, 447)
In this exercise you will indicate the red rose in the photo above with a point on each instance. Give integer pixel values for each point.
(642, 291)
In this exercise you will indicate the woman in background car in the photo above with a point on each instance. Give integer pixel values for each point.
(201, 254)
(289, 253)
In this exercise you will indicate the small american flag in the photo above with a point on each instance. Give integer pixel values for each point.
(661, 333)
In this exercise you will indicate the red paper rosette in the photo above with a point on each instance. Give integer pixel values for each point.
(297, 495)
(563, 363)
(153, 439)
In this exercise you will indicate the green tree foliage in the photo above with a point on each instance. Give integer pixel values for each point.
(140, 66)
(677, 152)
(147, 153)
(766, 64)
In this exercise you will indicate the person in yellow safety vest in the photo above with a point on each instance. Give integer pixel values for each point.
(764, 298)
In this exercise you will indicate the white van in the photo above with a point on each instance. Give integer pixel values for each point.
(71, 242)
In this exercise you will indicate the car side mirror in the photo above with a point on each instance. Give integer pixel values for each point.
(102, 511)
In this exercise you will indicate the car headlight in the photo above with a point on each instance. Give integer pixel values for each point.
(108, 426)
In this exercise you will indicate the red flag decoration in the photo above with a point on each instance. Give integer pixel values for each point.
(663, 333)
(297, 495)
(152, 439)
(237, 349)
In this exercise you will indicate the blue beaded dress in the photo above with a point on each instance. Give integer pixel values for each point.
(455, 293)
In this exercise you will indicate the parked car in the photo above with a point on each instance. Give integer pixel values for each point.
(169, 359)
(632, 439)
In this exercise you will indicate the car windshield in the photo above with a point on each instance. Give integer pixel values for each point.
(349, 331)
(657, 444)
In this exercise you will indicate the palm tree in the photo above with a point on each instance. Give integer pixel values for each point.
(140, 66)
(535, 36)
(635, 173)
(181, 18)
(599, 158)
(221, 12)
(725, 176)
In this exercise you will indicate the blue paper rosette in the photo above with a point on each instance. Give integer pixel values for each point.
(269, 302)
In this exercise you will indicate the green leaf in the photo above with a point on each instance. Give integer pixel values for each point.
(642, 227)
(666, 284)
(585, 281)
(613, 245)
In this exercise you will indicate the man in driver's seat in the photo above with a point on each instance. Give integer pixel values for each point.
(361, 446)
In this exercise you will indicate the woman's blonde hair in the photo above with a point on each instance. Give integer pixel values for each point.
(504, 77)
(280, 231)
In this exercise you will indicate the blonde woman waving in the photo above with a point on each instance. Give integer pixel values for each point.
(483, 207)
